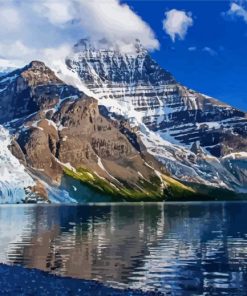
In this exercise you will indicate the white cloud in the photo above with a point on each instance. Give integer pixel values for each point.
(115, 22)
(210, 51)
(177, 23)
(192, 48)
(18, 54)
(10, 17)
(15, 50)
(206, 49)
(5, 64)
(53, 55)
(33, 29)
(57, 12)
(238, 10)
(109, 19)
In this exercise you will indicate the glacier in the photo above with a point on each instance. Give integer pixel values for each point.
(14, 180)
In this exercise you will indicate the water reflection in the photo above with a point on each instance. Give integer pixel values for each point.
(181, 249)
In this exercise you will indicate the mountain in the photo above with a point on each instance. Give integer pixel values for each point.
(4, 71)
(114, 126)
(197, 138)
(58, 133)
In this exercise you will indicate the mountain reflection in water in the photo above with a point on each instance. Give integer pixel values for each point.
(181, 249)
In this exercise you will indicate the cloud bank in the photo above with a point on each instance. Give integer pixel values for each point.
(177, 23)
(38, 29)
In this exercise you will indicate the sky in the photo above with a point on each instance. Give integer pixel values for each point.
(212, 56)
(202, 43)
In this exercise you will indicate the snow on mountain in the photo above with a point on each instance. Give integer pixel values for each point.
(14, 179)
(172, 119)
(6, 66)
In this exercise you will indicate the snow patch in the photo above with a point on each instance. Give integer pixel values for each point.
(70, 77)
(236, 155)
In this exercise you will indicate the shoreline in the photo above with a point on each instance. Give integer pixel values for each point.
(17, 280)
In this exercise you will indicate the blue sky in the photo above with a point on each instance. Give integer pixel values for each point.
(220, 73)
(201, 43)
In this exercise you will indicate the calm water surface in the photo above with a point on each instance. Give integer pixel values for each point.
(180, 249)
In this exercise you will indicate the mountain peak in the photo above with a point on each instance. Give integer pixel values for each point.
(37, 73)
(139, 47)
(85, 45)
(82, 44)
(37, 65)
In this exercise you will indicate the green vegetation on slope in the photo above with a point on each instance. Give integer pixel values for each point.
(152, 190)
(144, 191)
(177, 191)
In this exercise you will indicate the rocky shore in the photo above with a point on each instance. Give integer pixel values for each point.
(16, 280)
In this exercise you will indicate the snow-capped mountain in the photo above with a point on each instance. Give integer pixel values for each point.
(118, 123)
(190, 133)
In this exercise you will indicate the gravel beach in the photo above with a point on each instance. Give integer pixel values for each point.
(16, 280)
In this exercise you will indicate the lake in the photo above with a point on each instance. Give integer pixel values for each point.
(177, 248)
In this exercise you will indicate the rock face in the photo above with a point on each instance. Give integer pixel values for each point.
(26, 91)
(78, 136)
(172, 119)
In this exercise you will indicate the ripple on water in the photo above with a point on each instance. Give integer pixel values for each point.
(180, 249)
